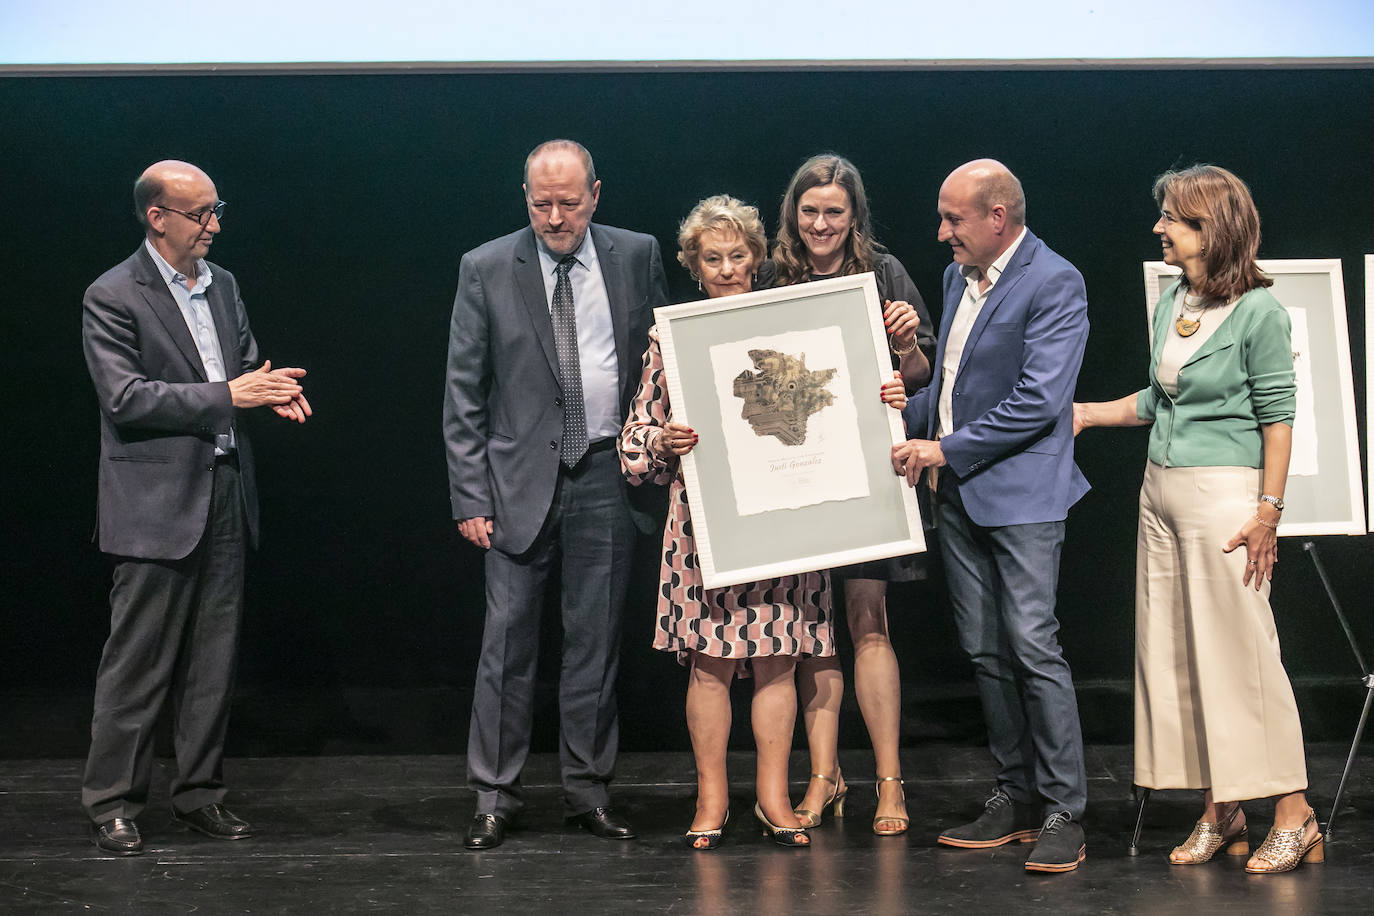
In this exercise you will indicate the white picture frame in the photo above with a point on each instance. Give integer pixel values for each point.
(1323, 492)
(735, 546)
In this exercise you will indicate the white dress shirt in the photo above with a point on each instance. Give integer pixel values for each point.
(595, 336)
(964, 317)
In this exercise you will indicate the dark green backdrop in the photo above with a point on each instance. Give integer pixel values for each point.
(351, 200)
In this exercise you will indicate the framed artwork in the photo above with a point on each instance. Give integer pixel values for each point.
(1323, 492)
(792, 471)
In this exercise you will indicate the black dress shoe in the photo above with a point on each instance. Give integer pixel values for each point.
(118, 837)
(214, 821)
(605, 823)
(485, 832)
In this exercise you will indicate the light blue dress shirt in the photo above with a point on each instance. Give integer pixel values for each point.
(595, 336)
(195, 309)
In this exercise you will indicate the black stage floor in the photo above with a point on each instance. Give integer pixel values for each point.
(382, 834)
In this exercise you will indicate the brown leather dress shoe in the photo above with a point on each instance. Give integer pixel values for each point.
(119, 837)
(214, 821)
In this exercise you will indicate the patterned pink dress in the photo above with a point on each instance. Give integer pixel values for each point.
(786, 616)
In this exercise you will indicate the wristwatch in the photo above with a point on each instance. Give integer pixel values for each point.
(1275, 501)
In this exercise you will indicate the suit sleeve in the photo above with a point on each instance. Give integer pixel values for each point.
(127, 395)
(1056, 333)
(466, 391)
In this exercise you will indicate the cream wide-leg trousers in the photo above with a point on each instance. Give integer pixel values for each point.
(1213, 704)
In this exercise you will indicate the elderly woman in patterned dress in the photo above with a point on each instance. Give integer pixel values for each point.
(721, 632)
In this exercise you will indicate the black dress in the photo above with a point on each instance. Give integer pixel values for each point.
(894, 284)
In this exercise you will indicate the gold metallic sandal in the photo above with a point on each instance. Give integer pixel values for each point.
(1206, 839)
(1284, 850)
(889, 824)
(811, 818)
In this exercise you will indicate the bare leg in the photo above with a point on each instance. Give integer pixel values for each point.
(877, 684)
(774, 714)
(820, 687)
(708, 722)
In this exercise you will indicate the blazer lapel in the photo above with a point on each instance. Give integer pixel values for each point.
(226, 328)
(1016, 270)
(617, 282)
(164, 306)
(529, 279)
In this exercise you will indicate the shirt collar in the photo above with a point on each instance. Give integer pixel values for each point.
(585, 254)
(970, 272)
(171, 275)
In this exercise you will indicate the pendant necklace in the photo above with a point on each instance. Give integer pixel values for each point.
(1186, 326)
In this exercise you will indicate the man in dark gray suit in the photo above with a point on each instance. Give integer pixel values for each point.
(549, 328)
(170, 352)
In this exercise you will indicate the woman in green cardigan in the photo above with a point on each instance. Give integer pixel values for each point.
(1214, 709)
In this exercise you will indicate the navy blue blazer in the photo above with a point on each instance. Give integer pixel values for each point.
(1011, 449)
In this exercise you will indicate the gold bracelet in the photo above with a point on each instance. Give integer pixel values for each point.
(892, 342)
(1274, 526)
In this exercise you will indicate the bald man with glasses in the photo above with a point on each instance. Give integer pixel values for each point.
(174, 364)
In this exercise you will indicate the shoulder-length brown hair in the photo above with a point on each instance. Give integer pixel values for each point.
(789, 252)
(1214, 202)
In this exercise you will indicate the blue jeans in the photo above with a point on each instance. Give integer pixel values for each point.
(1002, 584)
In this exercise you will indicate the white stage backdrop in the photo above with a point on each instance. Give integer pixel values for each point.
(133, 32)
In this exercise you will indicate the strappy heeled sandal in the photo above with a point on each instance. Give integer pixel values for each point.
(890, 824)
(1206, 839)
(1285, 850)
(811, 818)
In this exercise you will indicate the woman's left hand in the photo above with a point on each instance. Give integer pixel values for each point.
(901, 321)
(1261, 550)
(894, 392)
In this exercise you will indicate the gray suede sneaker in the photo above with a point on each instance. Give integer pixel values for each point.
(1002, 821)
(1060, 845)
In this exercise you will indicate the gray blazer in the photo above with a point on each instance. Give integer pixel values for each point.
(158, 414)
(503, 407)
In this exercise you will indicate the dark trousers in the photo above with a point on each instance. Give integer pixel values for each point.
(1002, 584)
(174, 628)
(590, 528)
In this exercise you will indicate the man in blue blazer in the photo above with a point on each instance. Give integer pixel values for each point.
(175, 365)
(549, 329)
(995, 426)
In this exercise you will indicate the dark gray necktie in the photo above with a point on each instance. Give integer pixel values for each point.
(569, 366)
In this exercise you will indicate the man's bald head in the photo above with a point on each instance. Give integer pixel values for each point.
(152, 186)
(982, 211)
(992, 183)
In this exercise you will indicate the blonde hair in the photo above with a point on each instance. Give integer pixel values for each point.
(720, 213)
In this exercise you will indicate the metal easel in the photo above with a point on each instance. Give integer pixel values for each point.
(1367, 679)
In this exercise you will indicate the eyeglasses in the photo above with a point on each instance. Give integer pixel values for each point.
(199, 216)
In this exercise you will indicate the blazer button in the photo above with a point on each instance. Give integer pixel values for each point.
(557, 402)
(553, 445)
(210, 466)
